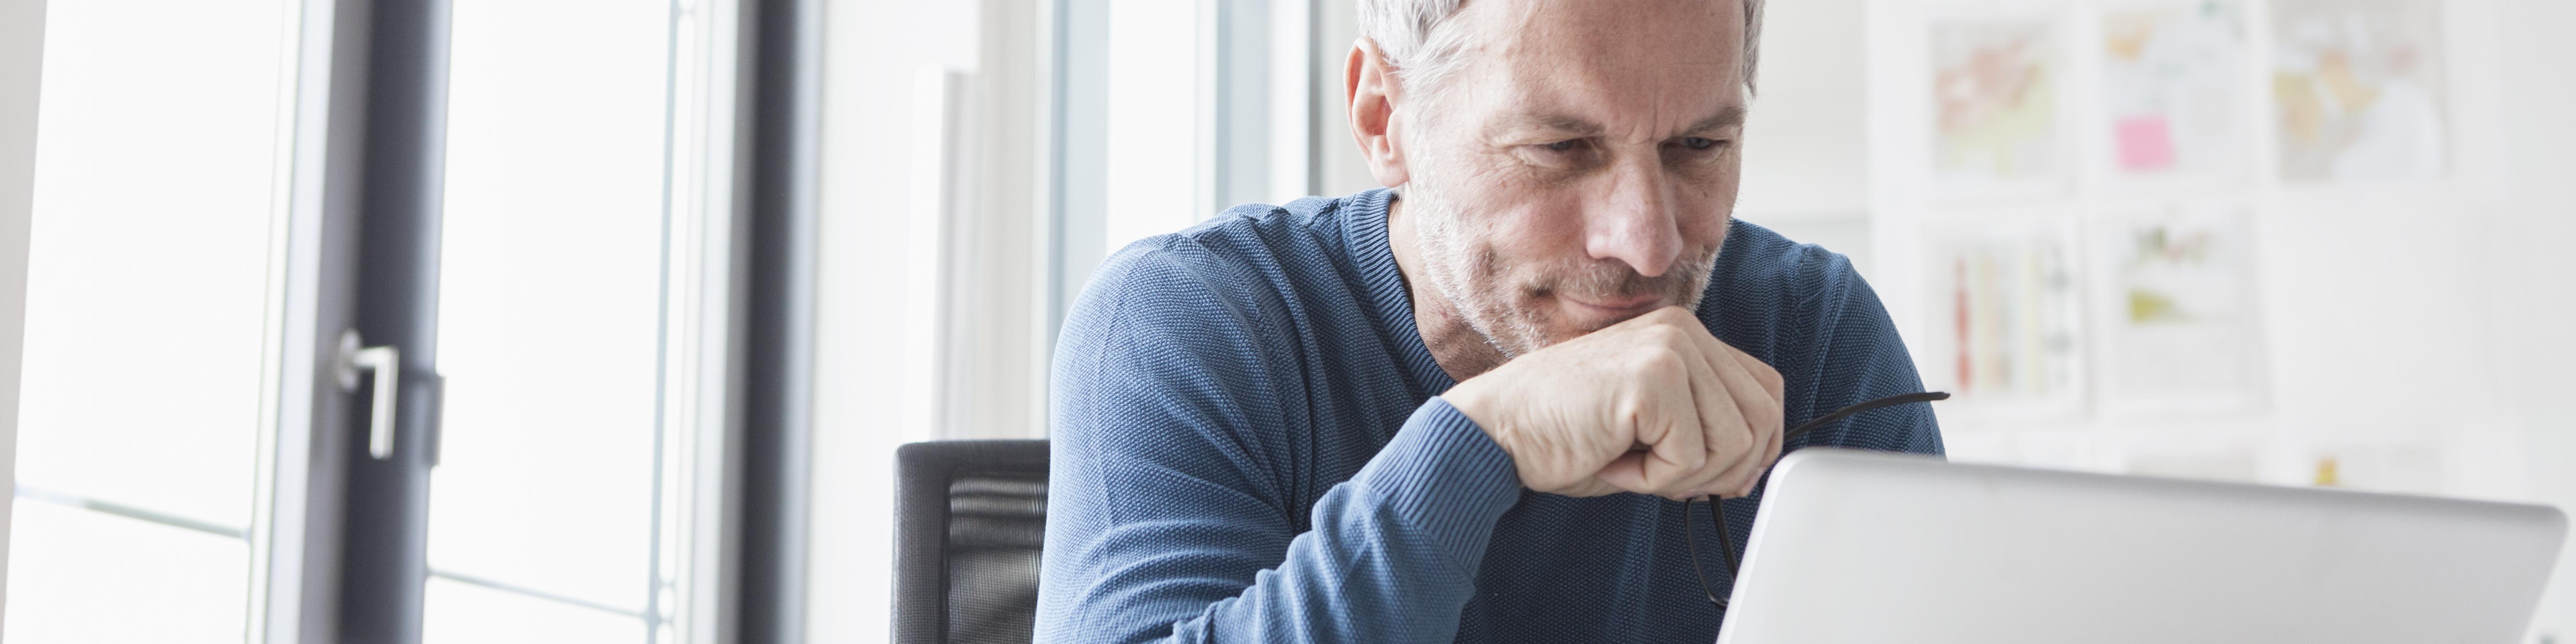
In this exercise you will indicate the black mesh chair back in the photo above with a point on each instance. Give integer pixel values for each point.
(969, 519)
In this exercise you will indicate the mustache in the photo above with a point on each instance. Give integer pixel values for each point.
(1610, 279)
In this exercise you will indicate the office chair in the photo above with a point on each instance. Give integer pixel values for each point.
(970, 517)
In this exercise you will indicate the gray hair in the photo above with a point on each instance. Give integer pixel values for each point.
(1421, 43)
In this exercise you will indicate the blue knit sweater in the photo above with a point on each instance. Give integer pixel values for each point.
(1248, 447)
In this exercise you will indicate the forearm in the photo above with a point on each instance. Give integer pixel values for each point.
(1391, 556)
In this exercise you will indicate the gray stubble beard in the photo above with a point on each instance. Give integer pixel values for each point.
(1442, 234)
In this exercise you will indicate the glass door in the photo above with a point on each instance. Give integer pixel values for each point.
(155, 299)
(572, 271)
(153, 318)
(390, 321)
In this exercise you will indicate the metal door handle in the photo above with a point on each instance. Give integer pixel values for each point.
(386, 362)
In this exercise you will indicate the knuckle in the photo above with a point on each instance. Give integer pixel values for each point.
(1736, 441)
(1664, 333)
(1657, 363)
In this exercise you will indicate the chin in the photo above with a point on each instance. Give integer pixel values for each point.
(1576, 318)
(1560, 326)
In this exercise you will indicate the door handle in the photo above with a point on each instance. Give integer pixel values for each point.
(386, 363)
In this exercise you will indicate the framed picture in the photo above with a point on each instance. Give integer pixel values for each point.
(2173, 112)
(2005, 328)
(2358, 90)
(1997, 117)
(2180, 329)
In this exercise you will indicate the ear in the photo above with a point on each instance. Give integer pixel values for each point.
(1373, 92)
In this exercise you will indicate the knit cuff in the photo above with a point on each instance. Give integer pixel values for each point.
(1443, 476)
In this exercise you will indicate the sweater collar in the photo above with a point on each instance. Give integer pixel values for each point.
(1373, 257)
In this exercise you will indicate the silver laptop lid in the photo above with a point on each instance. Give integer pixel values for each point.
(1856, 547)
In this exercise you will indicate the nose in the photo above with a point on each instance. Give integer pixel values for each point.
(1634, 222)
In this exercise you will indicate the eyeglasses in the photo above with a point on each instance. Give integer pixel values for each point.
(1726, 538)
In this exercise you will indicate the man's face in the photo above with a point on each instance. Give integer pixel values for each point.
(1579, 167)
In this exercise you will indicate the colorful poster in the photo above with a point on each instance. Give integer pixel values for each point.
(2169, 89)
(2005, 320)
(2358, 89)
(1994, 98)
(2181, 330)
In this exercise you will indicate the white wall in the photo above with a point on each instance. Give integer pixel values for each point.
(22, 49)
(2432, 313)
(1160, 156)
(873, 52)
(2534, 271)
(2428, 314)
(2423, 316)
(1806, 145)
(871, 48)
(2361, 285)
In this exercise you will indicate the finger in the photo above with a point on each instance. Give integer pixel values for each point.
(1756, 388)
(1669, 424)
(1678, 443)
(1767, 380)
(1762, 401)
(1636, 472)
(1749, 430)
(1627, 473)
(1771, 440)
(1770, 436)
(1721, 443)
(1730, 482)
(1762, 371)
(1770, 378)
(1774, 434)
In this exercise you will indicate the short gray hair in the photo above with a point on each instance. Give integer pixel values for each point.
(1421, 44)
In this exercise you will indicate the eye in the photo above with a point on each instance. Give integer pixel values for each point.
(1567, 145)
(1697, 143)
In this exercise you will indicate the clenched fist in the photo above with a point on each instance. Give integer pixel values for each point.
(1654, 405)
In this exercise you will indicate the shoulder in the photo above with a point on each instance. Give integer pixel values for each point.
(1806, 312)
(1765, 280)
(1758, 254)
(1790, 304)
(1232, 255)
(1183, 348)
(1220, 280)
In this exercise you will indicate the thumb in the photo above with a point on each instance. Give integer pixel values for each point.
(1628, 473)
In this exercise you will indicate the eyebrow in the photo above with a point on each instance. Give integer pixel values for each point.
(1553, 123)
(1729, 116)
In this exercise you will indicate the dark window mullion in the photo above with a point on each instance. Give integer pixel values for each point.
(384, 531)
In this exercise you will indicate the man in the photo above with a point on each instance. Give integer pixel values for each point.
(1468, 408)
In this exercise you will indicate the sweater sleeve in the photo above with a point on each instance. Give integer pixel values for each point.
(1862, 359)
(1169, 516)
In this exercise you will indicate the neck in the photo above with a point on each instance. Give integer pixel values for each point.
(1454, 344)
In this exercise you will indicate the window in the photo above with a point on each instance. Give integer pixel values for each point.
(569, 270)
(225, 189)
(154, 308)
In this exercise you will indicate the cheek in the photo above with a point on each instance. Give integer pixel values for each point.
(1540, 232)
(1708, 204)
(1513, 223)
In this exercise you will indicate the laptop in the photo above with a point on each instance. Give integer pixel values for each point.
(1866, 547)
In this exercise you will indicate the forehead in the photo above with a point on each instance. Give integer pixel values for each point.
(1623, 64)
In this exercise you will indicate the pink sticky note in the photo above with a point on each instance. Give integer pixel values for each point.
(2146, 144)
